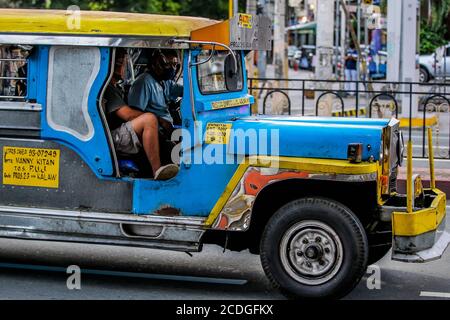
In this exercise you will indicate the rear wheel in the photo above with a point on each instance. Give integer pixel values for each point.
(314, 248)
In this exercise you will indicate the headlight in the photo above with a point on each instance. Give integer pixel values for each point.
(391, 155)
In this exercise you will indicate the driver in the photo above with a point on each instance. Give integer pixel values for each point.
(154, 89)
(132, 129)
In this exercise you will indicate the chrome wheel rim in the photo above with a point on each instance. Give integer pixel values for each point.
(311, 252)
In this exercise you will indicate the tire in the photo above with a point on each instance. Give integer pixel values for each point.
(424, 75)
(328, 237)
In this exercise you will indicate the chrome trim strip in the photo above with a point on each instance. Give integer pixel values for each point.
(104, 217)
(82, 40)
(19, 106)
(191, 88)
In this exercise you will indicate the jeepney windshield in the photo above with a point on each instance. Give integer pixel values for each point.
(211, 74)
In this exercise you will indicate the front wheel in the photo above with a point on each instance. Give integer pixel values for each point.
(424, 76)
(314, 248)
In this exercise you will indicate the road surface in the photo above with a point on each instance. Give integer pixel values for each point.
(135, 273)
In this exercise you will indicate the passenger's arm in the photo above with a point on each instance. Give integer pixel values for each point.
(127, 113)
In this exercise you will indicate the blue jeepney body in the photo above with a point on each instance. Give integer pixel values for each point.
(61, 178)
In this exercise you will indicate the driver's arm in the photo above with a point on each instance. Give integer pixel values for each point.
(127, 113)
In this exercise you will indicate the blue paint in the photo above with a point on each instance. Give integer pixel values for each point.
(332, 120)
(321, 138)
(33, 74)
(95, 152)
(198, 186)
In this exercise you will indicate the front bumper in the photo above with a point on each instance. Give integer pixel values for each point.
(419, 236)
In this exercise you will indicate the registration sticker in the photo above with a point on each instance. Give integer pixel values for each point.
(245, 21)
(230, 103)
(217, 133)
(33, 167)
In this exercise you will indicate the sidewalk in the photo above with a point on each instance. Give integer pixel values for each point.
(442, 178)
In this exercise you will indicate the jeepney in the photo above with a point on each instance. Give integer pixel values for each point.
(315, 197)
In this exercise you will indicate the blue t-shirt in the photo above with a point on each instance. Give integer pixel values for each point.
(152, 96)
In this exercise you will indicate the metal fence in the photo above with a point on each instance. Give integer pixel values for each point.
(426, 104)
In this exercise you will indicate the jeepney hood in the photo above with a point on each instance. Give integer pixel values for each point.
(310, 137)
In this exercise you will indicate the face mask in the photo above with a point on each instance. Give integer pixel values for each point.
(168, 74)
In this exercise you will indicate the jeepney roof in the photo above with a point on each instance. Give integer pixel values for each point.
(98, 23)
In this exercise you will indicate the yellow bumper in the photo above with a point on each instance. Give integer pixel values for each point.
(419, 222)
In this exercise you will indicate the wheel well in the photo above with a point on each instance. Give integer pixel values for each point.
(360, 197)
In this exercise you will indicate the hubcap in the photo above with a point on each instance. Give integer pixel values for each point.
(311, 252)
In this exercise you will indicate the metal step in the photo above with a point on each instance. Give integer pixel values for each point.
(157, 232)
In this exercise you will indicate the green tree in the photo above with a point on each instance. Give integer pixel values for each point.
(434, 28)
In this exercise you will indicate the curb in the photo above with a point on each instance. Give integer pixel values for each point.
(443, 185)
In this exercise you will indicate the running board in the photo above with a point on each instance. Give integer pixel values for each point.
(157, 232)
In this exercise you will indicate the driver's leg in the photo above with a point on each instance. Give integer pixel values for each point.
(146, 128)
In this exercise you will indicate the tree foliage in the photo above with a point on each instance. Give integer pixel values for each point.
(434, 29)
(214, 9)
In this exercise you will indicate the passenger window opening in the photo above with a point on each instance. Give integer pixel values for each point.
(142, 106)
(14, 72)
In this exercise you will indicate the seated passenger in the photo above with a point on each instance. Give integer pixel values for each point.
(154, 89)
(133, 129)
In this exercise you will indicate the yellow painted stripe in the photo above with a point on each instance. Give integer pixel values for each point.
(300, 164)
(419, 222)
(349, 113)
(418, 122)
(226, 194)
(98, 23)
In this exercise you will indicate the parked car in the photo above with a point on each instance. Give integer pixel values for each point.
(432, 66)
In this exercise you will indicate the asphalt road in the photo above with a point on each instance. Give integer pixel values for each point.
(129, 273)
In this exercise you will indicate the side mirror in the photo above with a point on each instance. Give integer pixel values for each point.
(232, 75)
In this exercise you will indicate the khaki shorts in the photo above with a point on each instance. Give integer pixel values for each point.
(125, 139)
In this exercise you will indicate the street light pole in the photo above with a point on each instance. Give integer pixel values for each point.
(358, 34)
(233, 8)
(279, 39)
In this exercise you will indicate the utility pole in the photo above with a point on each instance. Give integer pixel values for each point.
(325, 39)
(324, 52)
(251, 7)
(279, 40)
(252, 70)
(262, 55)
(358, 35)
(403, 19)
(336, 35)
